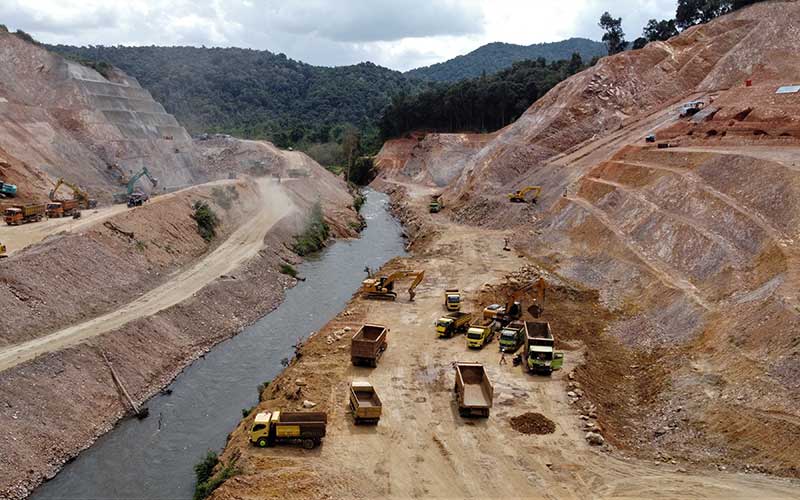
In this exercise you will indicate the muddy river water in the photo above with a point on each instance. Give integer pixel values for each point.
(153, 458)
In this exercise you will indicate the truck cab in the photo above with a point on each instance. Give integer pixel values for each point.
(452, 299)
(12, 215)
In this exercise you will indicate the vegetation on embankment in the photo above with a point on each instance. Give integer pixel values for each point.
(207, 480)
(314, 235)
(207, 220)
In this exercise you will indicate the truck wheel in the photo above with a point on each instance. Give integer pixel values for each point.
(262, 442)
(308, 443)
(356, 420)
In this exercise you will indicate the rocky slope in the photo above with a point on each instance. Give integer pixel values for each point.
(693, 244)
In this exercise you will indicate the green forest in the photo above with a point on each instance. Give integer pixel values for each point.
(482, 104)
(497, 56)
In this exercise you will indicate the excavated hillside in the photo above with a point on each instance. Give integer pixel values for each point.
(692, 242)
(61, 119)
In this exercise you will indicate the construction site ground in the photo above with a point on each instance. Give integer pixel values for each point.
(422, 447)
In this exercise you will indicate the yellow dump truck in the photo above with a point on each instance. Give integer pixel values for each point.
(452, 299)
(481, 333)
(452, 323)
(271, 427)
(365, 403)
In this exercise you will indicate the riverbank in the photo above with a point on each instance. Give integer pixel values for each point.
(429, 442)
(58, 404)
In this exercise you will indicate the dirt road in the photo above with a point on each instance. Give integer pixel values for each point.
(422, 448)
(240, 246)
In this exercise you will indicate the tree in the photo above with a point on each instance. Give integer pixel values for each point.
(351, 147)
(659, 30)
(639, 43)
(691, 12)
(614, 37)
(575, 64)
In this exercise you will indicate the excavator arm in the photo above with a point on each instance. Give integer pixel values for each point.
(519, 196)
(411, 289)
(77, 193)
(384, 287)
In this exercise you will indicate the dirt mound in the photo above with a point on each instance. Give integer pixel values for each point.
(532, 423)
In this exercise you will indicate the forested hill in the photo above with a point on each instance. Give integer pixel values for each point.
(494, 57)
(255, 93)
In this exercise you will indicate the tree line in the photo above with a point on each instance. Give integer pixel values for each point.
(482, 104)
(688, 13)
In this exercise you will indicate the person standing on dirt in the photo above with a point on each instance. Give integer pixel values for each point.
(503, 360)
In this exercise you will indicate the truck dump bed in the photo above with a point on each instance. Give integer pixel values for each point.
(538, 330)
(290, 417)
(475, 392)
(367, 344)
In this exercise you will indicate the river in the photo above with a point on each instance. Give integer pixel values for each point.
(154, 458)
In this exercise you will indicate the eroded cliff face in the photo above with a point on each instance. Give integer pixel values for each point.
(61, 119)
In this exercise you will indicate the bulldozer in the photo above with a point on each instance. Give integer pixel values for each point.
(78, 194)
(512, 310)
(382, 287)
(519, 196)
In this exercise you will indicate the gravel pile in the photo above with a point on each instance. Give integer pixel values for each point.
(533, 423)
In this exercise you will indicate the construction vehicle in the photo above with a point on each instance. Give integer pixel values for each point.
(691, 108)
(481, 333)
(307, 428)
(540, 355)
(436, 204)
(368, 344)
(3, 253)
(512, 336)
(452, 299)
(78, 194)
(365, 403)
(453, 323)
(23, 214)
(118, 174)
(62, 208)
(131, 192)
(519, 196)
(512, 310)
(137, 199)
(383, 287)
(8, 190)
(474, 392)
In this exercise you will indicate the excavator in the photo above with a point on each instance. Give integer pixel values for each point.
(3, 253)
(519, 196)
(131, 196)
(512, 310)
(383, 287)
(78, 194)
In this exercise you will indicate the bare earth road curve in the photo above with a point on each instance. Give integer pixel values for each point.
(243, 244)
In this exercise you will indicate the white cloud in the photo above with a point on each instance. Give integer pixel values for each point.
(400, 35)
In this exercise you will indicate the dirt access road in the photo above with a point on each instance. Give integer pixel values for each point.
(243, 244)
(422, 448)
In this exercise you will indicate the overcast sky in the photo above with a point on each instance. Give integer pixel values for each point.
(400, 35)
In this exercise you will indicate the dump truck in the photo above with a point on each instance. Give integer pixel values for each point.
(540, 355)
(22, 214)
(368, 344)
(452, 299)
(62, 208)
(452, 323)
(474, 392)
(8, 190)
(271, 427)
(436, 204)
(481, 333)
(365, 403)
(512, 336)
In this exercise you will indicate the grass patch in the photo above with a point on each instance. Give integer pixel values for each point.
(314, 235)
(247, 411)
(289, 269)
(207, 220)
(358, 201)
(261, 388)
(207, 481)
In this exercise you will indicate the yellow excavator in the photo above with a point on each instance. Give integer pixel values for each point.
(512, 310)
(3, 251)
(519, 196)
(81, 196)
(383, 287)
